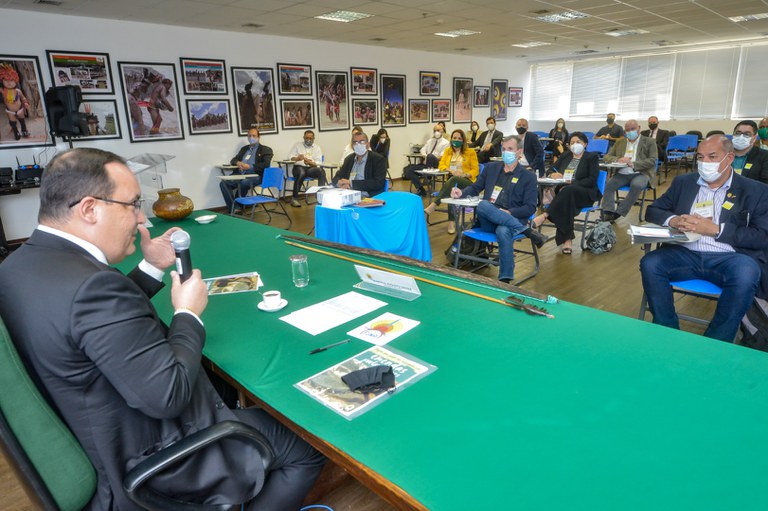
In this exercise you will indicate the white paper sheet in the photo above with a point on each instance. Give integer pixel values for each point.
(333, 312)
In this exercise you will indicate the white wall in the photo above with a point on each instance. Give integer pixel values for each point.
(193, 169)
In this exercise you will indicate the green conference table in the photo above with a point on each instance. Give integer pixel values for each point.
(589, 410)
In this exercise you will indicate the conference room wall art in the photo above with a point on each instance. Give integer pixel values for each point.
(418, 111)
(151, 100)
(102, 119)
(365, 112)
(515, 97)
(23, 75)
(294, 79)
(89, 71)
(332, 100)
(441, 110)
(393, 100)
(429, 83)
(462, 100)
(481, 96)
(204, 76)
(364, 81)
(254, 99)
(499, 99)
(209, 116)
(297, 114)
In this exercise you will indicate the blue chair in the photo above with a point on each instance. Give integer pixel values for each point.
(589, 134)
(586, 223)
(681, 150)
(272, 179)
(386, 185)
(642, 199)
(697, 288)
(599, 146)
(542, 134)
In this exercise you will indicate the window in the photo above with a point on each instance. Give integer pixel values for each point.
(704, 83)
(551, 85)
(646, 87)
(595, 89)
(751, 99)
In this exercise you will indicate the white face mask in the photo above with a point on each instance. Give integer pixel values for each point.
(253, 140)
(360, 149)
(490, 126)
(382, 139)
(560, 124)
(741, 142)
(438, 134)
(474, 128)
(577, 148)
(710, 170)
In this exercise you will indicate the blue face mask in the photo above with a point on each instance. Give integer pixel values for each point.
(632, 135)
(509, 157)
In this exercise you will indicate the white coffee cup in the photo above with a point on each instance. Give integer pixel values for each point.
(271, 299)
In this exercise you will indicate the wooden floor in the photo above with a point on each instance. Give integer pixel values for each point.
(610, 282)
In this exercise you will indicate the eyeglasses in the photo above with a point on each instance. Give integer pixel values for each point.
(361, 142)
(742, 133)
(135, 204)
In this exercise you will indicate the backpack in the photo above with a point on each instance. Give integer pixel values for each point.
(601, 238)
(469, 246)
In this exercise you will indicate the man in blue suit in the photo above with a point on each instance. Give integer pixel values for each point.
(509, 199)
(533, 151)
(730, 212)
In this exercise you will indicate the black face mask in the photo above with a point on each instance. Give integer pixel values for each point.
(653, 126)
(609, 120)
(521, 130)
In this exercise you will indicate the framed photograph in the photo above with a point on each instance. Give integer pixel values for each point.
(203, 76)
(441, 110)
(151, 100)
(418, 110)
(515, 97)
(89, 71)
(462, 100)
(481, 96)
(207, 116)
(295, 79)
(101, 116)
(254, 99)
(499, 99)
(365, 112)
(332, 104)
(24, 121)
(364, 81)
(297, 113)
(429, 83)
(393, 100)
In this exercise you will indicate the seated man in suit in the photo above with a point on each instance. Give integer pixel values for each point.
(730, 212)
(510, 196)
(639, 155)
(363, 170)
(252, 158)
(749, 160)
(533, 151)
(659, 135)
(489, 143)
(126, 383)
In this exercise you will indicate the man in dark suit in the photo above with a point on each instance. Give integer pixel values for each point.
(730, 212)
(749, 160)
(124, 382)
(488, 142)
(252, 158)
(510, 197)
(659, 135)
(363, 170)
(533, 151)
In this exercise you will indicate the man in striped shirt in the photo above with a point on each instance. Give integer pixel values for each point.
(730, 213)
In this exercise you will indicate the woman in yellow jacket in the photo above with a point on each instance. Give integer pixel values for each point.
(461, 162)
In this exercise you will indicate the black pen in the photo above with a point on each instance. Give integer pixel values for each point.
(318, 350)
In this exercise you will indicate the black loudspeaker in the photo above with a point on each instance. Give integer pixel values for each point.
(63, 105)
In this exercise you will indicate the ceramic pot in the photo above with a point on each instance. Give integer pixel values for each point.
(172, 205)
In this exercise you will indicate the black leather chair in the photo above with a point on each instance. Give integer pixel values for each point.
(694, 132)
(714, 132)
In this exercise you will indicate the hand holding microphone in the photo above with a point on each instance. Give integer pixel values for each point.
(181, 241)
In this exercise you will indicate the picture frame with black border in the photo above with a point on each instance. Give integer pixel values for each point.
(365, 111)
(91, 71)
(203, 76)
(462, 100)
(294, 79)
(515, 97)
(209, 116)
(102, 118)
(393, 100)
(441, 110)
(254, 86)
(481, 96)
(418, 111)
(499, 99)
(332, 100)
(297, 114)
(429, 83)
(30, 84)
(364, 80)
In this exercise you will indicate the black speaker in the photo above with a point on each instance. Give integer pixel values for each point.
(63, 105)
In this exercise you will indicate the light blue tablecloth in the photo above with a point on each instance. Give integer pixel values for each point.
(398, 227)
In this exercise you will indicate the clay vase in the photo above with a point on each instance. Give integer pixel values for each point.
(172, 205)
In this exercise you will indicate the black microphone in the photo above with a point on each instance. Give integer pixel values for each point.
(181, 241)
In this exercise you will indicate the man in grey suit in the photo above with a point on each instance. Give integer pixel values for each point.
(638, 154)
(124, 382)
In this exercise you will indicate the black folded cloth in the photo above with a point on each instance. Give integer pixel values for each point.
(370, 379)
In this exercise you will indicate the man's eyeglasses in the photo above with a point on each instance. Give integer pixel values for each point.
(361, 142)
(136, 205)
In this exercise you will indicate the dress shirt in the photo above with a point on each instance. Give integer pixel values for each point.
(314, 152)
(358, 168)
(435, 146)
(630, 153)
(249, 156)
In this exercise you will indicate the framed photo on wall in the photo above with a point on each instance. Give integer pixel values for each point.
(102, 119)
(254, 99)
(151, 100)
(24, 121)
(393, 100)
(481, 96)
(418, 110)
(295, 79)
(332, 104)
(499, 99)
(515, 96)
(429, 83)
(203, 76)
(297, 114)
(89, 71)
(364, 81)
(462, 100)
(208, 116)
(441, 110)
(365, 112)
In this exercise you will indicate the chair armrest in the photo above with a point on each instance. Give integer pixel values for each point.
(133, 484)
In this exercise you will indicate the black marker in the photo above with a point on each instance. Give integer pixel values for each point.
(318, 350)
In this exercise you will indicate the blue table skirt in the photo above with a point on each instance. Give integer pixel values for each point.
(398, 227)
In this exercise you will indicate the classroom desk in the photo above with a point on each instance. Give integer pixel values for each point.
(587, 411)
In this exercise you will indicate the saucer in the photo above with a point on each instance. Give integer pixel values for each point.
(283, 303)
(205, 219)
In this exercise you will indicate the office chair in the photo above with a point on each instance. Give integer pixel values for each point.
(598, 145)
(586, 223)
(714, 132)
(681, 150)
(641, 201)
(53, 468)
(272, 178)
(696, 287)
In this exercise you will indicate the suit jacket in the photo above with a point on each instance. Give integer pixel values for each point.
(586, 173)
(744, 225)
(756, 165)
(263, 159)
(645, 159)
(375, 173)
(524, 195)
(534, 152)
(124, 382)
(662, 139)
(495, 140)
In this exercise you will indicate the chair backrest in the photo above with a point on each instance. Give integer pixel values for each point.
(542, 134)
(601, 178)
(714, 132)
(272, 178)
(682, 143)
(695, 132)
(50, 462)
(599, 146)
(589, 134)
(386, 185)
(482, 168)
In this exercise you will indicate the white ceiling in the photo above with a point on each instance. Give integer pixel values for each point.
(411, 24)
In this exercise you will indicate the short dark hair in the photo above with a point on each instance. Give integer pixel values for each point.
(73, 175)
(310, 131)
(747, 122)
(581, 136)
(254, 127)
(491, 118)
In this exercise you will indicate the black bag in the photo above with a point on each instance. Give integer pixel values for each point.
(601, 239)
(469, 246)
(754, 326)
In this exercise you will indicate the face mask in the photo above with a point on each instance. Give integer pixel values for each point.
(438, 134)
(253, 140)
(653, 125)
(763, 132)
(360, 149)
(474, 128)
(710, 170)
(577, 149)
(490, 127)
(609, 120)
(560, 124)
(521, 130)
(457, 143)
(509, 157)
(632, 135)
(309, 143)
(741, 142)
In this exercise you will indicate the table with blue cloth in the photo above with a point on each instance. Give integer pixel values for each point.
(398, 227)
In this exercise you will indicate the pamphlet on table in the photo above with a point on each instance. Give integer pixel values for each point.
(333, 312)
(239, 283)
(384, 329)
(658, 234)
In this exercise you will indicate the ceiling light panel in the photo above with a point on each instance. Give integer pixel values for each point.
(343, 16)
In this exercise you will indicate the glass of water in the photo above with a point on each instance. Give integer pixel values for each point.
(300, 270)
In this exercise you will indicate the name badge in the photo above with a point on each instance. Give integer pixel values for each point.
(455, 166)
(514, 180)
(727, 205)
(748, 166)
(247, 156)
(495, 194)
(705, 209)
(737, 170)
(568, 176)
